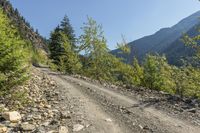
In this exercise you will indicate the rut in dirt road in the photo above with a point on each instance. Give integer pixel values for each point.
(106, 111)
(94, 119)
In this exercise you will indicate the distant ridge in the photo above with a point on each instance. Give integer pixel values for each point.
(164, 41)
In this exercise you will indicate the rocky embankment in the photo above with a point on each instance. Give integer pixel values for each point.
(178, 107)
(181, 108)
(55, 103)
(33, 108)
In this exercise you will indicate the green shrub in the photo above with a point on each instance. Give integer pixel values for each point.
(158, 74)
(39, 57)
(13, 56)
(187, 81)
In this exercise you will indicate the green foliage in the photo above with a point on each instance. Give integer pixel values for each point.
(23, 27)
(138, 72)
(158, 74)
(187, 81)
(21, 97)
(69, 61)
(124, 50)
(192, 42)
(126, 74)
(62, 52)
(68, 31)
(37, 56)
(98, 63)
(94, 44)
(55, 46)
(13, 56)
(123, 47)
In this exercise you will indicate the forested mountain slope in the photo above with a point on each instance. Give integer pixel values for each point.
(24, 27)
(165, 41)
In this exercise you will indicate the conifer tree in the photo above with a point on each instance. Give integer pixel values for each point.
(69, 61)
(55, 45)
(62, 52)
(67, 29)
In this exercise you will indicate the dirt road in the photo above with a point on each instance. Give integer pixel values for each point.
(101, 110)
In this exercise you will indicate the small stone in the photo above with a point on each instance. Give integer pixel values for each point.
(63, 129)
(46, 123)
(52, 131)
(3, 108)
(37, 117)
(108, 120)
(45, 114)
(64, 115)
(3, 129)
(193, 110)
(12, 125)
(12, 116)
(41, 105)
(55, 102)
(55, 111)
(29, 117)
(34, 109)
(2, 105)
(77, 127)
(48, 106)
(27, 127)
(87, 125)
(141, 127)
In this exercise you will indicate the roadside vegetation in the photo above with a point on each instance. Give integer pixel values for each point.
(16, 57)
(13, 56)
(90, 56)
(98, 63)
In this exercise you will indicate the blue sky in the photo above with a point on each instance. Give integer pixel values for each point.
(132, 18)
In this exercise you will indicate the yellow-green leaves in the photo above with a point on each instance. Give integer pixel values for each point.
(93, 42)
(158, 74)
(13, 55)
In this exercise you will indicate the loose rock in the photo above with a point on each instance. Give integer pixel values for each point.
(12, 116)
(3, 129)
(27, 127)
(63, 129)
(108, 120)
(77, 127)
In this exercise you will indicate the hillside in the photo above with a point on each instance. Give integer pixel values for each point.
(24, 28)
(165, 41)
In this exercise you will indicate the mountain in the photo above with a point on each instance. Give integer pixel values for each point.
(165, 41)
(25, 29)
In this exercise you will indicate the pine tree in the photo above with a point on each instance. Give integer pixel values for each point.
(62, 52)
(69, 61)
(68, 31)
(55, 45)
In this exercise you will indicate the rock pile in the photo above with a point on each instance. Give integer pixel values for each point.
(39, 115)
